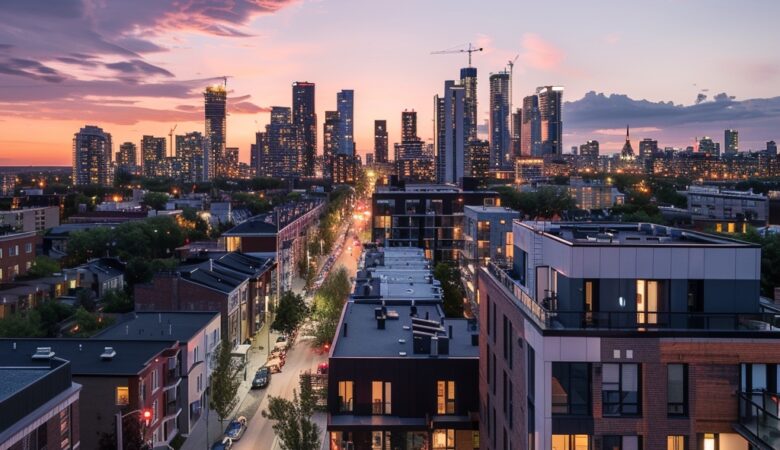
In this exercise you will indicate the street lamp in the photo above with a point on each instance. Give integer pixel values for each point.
(146, 414)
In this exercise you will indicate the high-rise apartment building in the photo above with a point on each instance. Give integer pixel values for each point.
(451, 133)
(590, 149)
(550, 103)
(477, 163)
(284, 147)
(330, 142)
(231, 162)
(517, 129)
(153, 153)
(305, 117)
(92, 156)
(709, 147)
(345, 104)
(409, 125)
(531, 128)
(771, 149)
(380, 141)
(500, 139)
(215, 98)
(126, 159)
(731, 142)
(190, 150)
(468, 79)
(648, 148)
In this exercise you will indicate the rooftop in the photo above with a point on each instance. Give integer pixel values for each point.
(227, 272)
(401, 338)
(14, 379)
(279, 218)
(85, 354)
(628, 234)
(491, 210)
(180, 326)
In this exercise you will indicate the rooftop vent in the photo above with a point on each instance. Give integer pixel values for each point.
(43, 353)
(402, 341)
(401, 353)
(108, 354)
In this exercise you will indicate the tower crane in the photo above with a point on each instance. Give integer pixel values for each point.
(170, 136)
(470, 49)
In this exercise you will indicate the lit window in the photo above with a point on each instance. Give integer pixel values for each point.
(345, 396)
(675, 443)
(381, 397)
(122, 395)
(443, 439)
(570, 442)
(709, 441)
(445, 397)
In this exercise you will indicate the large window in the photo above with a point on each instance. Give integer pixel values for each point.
(620, 389)
(445, 397)
(675, 442)
(122, 395)
(677, 389)
(381, 397)
(345, 396)
(620, 443)
(570, 442)
(444, 439)
(570, 389)
(590, 301)
(650, 299)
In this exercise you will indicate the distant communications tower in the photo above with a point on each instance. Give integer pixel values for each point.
(470, 49)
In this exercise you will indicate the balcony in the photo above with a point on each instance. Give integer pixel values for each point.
(548, 316)
(758, 419)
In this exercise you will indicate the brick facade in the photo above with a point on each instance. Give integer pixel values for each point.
(17, 254)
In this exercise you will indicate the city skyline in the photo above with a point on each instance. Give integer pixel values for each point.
(133, 83)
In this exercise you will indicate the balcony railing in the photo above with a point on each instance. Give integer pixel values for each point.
(758, 415)
(536, 310)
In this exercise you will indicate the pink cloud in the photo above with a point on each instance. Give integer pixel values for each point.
(540, 54)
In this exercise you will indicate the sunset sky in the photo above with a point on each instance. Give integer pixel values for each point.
(138, 67)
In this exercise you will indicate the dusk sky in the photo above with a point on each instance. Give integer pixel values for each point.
(139, 67)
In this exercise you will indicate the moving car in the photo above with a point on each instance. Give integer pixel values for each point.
(236, 428)
(262, 378)
(224, 444)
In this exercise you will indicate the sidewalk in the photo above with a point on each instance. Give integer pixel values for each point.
(256, 358)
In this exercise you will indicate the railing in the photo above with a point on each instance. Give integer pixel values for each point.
(758, 413)
(380, 407)
(538, 311)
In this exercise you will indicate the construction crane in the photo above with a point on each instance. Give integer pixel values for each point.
(170, 136)
(470, 49)
(511, 81)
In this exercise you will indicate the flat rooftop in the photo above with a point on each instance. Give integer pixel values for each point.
(14, 379)
(365, 340)
(491, 210)
(152, 326)
(630, 234)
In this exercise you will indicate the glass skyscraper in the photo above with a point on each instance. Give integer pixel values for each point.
(345, 105)
(500, 139)
(305, 117)
(215, 98)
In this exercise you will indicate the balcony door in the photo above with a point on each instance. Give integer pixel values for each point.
(650, 299)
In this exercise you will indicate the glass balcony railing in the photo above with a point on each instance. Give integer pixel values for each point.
(758, 415)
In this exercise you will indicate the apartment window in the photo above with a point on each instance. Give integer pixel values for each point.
(494, 373)
(677, 389)
(28, 248)
(709, 441)
(570, 389)
(65, 429)
(122, 395)
(505, 391)
(620, 389)
(508, 345)
(381, 397)
(675, 443)
(591, 301)
(142, 390)
(155, 380)
(345, 396)
(489, 367)
(155, 412)
(570, 442)
(493, 319)
(487, 302)
(445, 397)
(650, 299)
(13, 250)
(444, 439)
(380, 440)
(620, 443)
(511, 411)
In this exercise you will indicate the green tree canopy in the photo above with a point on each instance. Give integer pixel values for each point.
(292, 419)
(225, 381)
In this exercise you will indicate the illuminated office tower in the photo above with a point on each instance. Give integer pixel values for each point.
(215, 98)
(305, 117)
(550, 102)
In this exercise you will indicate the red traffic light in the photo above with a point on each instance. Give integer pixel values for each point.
(147, 414)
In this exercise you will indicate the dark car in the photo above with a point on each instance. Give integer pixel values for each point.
(224, 444)
(261, 379)
(281, 338)
(236, 428)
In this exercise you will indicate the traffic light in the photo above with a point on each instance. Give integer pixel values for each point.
(147, 415)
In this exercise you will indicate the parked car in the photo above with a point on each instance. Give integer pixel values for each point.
(224, 444)
(236, 428)
(262, 378)
(274, 365)
(281, 338)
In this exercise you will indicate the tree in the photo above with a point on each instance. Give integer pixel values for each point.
(52, 313)
(85, 298)
(20, 325)
(117, 301)
(89, 323)
(156, 200)
(43, 266)
(449, 277)
(292, 419)
(328, 303)
(290, 313)
(224, 381)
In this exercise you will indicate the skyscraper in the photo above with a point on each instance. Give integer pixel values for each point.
(215, 98)
(478, 159)
(708, 146)
(190, 150)
(346, 108)
(628, 151)
(531, 128)
(127, 157)
(450, 133)
(771, 149)
(590, 150)
(153, 153)
(285, 145)
(500, 139)
(260, 155)
(231, 162)
(648, 148)
(380, 141)
(550, 101)
(731, 142)
(408, 125)
(517, 129)
(305, 117)
(330, 142)
(468, 79)
(92, 156)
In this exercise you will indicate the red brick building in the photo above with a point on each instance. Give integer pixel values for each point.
(115, 376)
(17, 254)
(236, 285)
